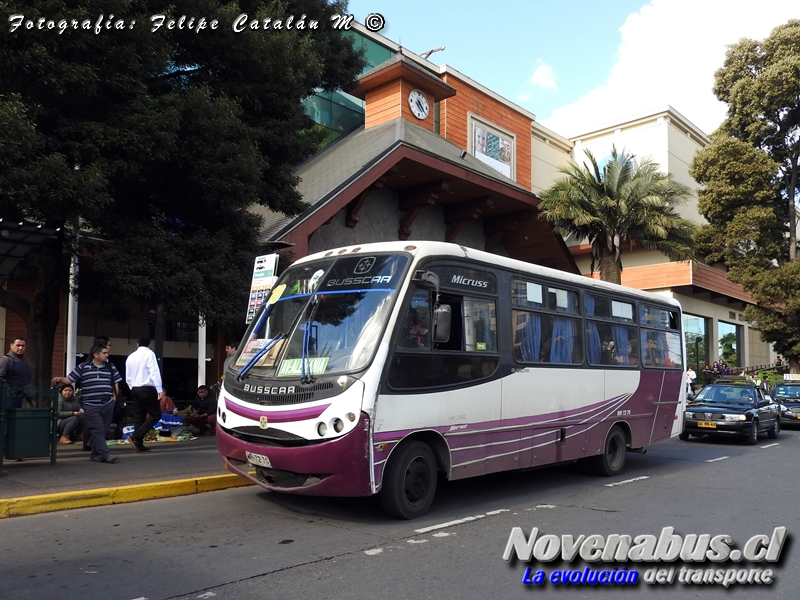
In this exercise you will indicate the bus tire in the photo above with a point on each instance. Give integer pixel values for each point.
(409, 482)
(612, 461)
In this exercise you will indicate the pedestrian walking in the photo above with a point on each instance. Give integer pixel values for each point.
(99, 382)
(144, 379)
(121, 410)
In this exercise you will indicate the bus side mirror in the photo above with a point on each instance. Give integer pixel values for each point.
(441, 320)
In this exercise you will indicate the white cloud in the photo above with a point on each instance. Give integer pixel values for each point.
(524, 97)
(668, 54)
(544, 77)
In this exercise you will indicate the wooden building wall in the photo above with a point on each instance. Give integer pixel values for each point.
(454, 122)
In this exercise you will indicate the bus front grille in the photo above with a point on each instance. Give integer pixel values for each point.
(285, 479)
(270, 433)
(307, 394)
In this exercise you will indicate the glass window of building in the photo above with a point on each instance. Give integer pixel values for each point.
(695, 332)
(730, 344)
(340, 113)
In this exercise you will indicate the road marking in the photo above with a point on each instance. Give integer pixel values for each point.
(373, 551)
(545, 506)
(716, 459)
(442, 534)
(449, 524)
(416, 541)
(771, 445)
(627, 481)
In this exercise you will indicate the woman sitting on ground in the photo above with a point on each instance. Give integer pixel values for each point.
(70, 416)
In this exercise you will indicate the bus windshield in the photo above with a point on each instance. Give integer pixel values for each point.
(326, 317)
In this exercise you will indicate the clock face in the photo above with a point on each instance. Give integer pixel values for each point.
(419, 104)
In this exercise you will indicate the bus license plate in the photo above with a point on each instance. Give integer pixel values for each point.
(706, 424)
(258, 460)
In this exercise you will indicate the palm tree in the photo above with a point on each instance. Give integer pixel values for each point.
(624, 202)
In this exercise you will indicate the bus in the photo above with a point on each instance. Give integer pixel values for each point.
(380, 368)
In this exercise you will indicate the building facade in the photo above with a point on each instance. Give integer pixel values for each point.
(422, 151)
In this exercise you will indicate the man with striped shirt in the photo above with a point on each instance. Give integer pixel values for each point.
(98, 381)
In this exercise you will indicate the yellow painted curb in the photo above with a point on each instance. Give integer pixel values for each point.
(160, 489)
(31, 505)
(221, 482)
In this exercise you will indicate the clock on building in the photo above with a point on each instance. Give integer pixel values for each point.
(418, 103)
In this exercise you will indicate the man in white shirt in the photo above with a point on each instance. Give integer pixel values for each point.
(144, 378)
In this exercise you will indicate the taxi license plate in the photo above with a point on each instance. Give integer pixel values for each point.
(258, 460)
(707, 424)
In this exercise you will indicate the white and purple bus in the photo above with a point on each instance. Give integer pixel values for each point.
(378, 368)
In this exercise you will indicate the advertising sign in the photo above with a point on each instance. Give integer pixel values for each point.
(264, 277)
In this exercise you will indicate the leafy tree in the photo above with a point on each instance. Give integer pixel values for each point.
(727, 346)
(157, 143)
(749, 174)
(624, 202)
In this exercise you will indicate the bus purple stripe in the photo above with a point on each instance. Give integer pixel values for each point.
(567, 418)
(281, 416)
(648, 391)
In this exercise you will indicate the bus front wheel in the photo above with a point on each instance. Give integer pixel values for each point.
(409, 482)
(612, 461)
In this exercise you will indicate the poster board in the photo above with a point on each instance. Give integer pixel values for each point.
(264, 277)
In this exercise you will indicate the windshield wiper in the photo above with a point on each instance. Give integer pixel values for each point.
(306, 376)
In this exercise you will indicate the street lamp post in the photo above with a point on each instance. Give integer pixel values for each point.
(697, 342)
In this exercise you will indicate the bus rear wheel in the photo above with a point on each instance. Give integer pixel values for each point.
(612, 461)
(409, 482)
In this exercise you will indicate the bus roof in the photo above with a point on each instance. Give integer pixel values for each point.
(420, 249)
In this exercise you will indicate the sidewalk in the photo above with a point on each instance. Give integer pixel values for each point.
(171, 469)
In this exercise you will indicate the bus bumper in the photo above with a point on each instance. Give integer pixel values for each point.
(338, 467)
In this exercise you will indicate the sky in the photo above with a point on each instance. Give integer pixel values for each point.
(580, 64)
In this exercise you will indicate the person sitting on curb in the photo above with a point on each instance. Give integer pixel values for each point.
(167, 405)
(70, 416)
(204, 411)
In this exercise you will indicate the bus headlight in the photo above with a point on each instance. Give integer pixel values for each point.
(322, 429)
(338, 425)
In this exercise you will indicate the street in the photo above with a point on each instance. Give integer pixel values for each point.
(245, 543)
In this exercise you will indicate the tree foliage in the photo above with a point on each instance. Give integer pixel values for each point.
(749, 175)
(157, 142)
(624, 202)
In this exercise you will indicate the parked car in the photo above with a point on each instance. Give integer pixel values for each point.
(740, 409)
(787, 393)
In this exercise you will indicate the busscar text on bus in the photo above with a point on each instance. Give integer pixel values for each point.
(382, 368)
